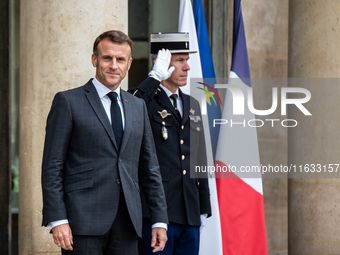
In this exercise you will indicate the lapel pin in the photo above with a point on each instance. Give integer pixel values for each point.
(192, 111)
(164, 114)
(126, 100)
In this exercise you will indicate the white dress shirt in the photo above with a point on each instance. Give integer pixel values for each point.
(106, 101)
(179, 99)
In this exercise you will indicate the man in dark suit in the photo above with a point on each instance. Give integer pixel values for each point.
(99, 153)
(178, 133)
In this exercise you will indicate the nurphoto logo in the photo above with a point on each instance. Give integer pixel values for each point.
(239, 103)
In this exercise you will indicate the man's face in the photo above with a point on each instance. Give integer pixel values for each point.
(112, 63)
(179, 76)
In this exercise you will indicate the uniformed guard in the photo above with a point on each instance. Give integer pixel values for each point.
(176, 122)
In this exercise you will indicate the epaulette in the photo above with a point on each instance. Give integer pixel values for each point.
(134, 93)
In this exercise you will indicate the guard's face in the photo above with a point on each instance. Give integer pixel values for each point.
(179, 76)
(112, 63)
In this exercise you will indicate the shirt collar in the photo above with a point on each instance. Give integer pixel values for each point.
(168, 92)
(102, 90)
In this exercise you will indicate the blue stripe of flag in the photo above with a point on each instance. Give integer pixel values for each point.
(214, 111)
(240, 64)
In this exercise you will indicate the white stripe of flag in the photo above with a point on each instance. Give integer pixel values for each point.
(211, 238)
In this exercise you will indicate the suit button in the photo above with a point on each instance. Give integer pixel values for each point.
(198, 183)
(181, 141)
(163, 123)
(182, 127)
(198, 129)
(183, 157)
(184, 172)
(118, 181)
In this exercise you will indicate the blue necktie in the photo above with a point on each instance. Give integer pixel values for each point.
(116, 118)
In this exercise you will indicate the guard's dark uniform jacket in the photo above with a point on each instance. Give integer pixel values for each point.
(186, 197)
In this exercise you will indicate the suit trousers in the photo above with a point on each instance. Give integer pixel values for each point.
(121, 239)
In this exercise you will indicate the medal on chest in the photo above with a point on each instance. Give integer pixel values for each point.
(165, 133)
(193, 117)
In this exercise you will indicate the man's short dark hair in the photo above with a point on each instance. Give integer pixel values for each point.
(114, 36)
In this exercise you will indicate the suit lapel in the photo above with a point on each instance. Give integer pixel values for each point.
(128, 118)
(165, 101)
(97, 106)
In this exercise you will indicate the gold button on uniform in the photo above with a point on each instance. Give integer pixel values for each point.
(181, 141)
(198, 129)
(182, 127)
(184, 172)
(183, 157)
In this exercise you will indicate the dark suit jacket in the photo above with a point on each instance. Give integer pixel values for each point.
(83, 173)
(186, 197)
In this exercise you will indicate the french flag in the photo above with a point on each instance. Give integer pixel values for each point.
(237, 225)
(201, 65)
(240, 197)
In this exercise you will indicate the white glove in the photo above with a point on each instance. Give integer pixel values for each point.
(161, 70)
(203, 221)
